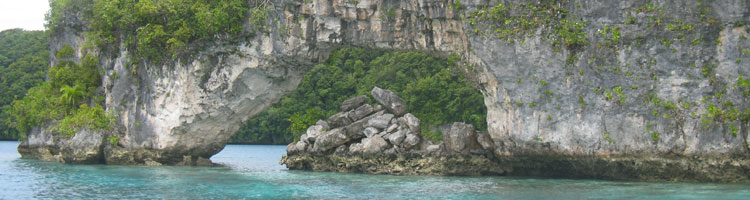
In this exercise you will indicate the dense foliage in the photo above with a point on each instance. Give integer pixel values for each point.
(149, 27)
(23, 64)
(63, 100)
(434, 91)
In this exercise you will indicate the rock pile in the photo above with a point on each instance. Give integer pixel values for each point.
(362, 129)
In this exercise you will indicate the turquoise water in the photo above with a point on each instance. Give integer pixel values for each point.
(253, 172)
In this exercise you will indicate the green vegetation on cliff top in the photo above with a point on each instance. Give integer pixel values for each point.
(149, 27)
(434, 90)
(71, 99)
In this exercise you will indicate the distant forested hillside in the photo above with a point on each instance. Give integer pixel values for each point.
(24, 59)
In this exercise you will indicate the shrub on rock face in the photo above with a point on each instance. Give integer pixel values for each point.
(66, 99)
(300, 122)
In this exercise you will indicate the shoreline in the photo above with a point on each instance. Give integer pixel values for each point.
(620, 168)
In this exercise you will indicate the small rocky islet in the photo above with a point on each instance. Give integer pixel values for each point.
(633, 90)
(384, 139)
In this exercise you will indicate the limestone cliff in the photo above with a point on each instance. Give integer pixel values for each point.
(643, 84)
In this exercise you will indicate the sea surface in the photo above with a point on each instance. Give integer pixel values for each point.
(253, 172)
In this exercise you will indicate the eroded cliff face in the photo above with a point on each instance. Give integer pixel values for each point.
(540, 101)
(652, 64)
(185, 111)
(190, 110)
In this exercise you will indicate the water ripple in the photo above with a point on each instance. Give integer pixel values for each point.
(253, 172)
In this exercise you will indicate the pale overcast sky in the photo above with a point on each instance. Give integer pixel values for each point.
(25, 14)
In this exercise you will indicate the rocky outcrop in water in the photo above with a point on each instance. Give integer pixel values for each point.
(188, 109)
(83, 148)
(387, 141)
(644, 92)
(384, 143)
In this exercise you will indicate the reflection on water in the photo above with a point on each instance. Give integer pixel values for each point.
(253, 172)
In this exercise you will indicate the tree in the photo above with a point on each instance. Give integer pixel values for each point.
(72, 95)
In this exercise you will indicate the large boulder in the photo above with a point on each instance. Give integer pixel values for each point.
(301, 146)
(391, 128)
(397, 137)
(312, 134)
(412, 122)
(323, 123)
(460, 137)
(484, 140)
(331, 139)
(339, 120)
(370, 131)
(381, 121)
(290, 147)
(296, 147)
(356, 148)
(343, 149)
(390, 100)
(353, 102)
(411, 140)
(355, 130)
(373, 145)
(435, 148)
(361, 112)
